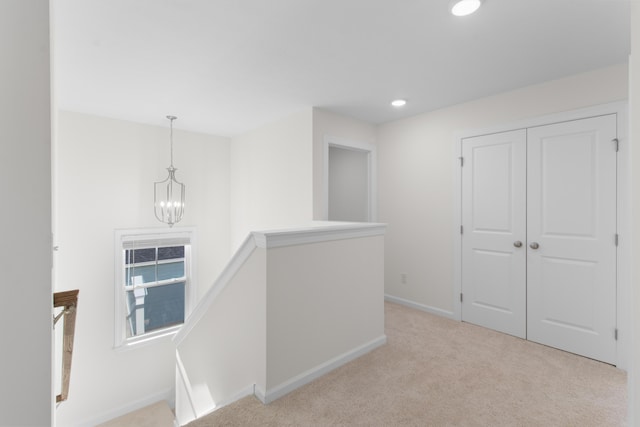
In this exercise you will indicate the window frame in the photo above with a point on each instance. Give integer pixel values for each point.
(150, 237)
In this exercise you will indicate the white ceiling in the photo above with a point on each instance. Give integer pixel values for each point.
(228, 66)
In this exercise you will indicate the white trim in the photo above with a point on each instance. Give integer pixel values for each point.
(184, 379)
(624, 261)
(619, 108)
(246, 391)
(372, 159)
(238, 259)
(422, 307)
(560, 117)
(147, 339)
(139, 240)
(259, 393)
(321, 233)
(121, 237)
(457, 224)
(314, 373)
(167, 395)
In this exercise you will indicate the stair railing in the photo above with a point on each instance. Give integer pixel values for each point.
(68, 300)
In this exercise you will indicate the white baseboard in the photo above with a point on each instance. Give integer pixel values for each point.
(168, 395)
(260, 394)
(310, 375)
(247, 391)
(421, 307)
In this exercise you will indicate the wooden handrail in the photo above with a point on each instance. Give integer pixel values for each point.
(68, 300)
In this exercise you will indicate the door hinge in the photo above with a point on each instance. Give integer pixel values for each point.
(615, 334)
(617, 142)
(617, 238)
(461, 161)
(460, 296)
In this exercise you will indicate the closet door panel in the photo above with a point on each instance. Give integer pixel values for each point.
(494, 221)
(571, 217)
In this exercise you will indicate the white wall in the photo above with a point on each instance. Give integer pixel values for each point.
(634, 116)
(25, 185)
(321, 310)
(105, 170)
(415, 160)
(348, 185)
(272, 185)
(271, 180)
(326, 123)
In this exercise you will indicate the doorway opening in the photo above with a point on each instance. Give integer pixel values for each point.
(350, 181)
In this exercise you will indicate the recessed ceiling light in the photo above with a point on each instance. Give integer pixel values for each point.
(399, 102)
(465, 7)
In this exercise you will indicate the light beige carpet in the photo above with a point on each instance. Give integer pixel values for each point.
(438, 372)
(157, 415)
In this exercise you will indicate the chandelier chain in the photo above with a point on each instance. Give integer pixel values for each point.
(172, 118)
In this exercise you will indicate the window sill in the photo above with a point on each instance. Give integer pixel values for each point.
(147, 339)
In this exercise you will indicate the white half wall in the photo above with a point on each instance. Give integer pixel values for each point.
(105, 170)
(415, 176)
(321, 310)
(271, 179)
(292, 305)
(26, 395)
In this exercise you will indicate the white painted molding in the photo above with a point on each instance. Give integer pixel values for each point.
(260, 394)
(246, 391)
(348, 144)
(457, 223)
(624, 259)
(422, 307)
(314, 373)
(320, 233)
(559, 117)
(184, 378)
(239, 258)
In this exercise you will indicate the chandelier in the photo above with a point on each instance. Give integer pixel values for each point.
(168, 195)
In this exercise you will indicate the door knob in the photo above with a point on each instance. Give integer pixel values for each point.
(534, 245)
(517, 244)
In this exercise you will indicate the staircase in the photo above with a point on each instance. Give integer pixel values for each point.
(291, 306)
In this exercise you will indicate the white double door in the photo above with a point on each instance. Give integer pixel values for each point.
(539, 234)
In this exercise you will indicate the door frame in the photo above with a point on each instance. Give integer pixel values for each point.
(623, 214)
(372, 163)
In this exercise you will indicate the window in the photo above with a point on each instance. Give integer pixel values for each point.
(153, 283)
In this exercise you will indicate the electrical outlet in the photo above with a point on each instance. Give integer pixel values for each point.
(403, 278)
